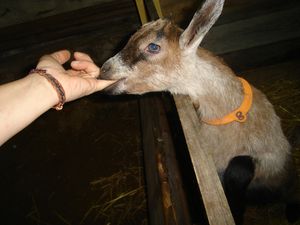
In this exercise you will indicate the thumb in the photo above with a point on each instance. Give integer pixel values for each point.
(101, 84)
(61, 56)
(88, 67)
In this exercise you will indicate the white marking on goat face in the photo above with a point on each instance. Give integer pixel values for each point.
(149, 62)
(114, 68)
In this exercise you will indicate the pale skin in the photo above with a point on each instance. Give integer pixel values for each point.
(24, 100)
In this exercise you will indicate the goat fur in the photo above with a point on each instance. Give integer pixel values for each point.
(181, 67)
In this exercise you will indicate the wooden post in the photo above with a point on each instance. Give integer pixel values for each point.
(215, 202)
(141, 10)
(167, 202)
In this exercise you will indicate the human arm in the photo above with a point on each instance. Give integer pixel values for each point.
(24, 100)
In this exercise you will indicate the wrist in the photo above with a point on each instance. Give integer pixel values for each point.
(45, 92)
(55, 86)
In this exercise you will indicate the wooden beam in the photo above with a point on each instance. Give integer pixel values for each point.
(142, 10)
(215, 202)
(150, 126)
(166, 199)
(263, 75)
(77, 22)
(258, 31)
(235, 10)
(153, 14)
(80, 30)
(261, 56)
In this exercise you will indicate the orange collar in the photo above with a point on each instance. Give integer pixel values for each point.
(240, 114)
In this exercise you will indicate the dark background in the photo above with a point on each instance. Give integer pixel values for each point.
(70, 167)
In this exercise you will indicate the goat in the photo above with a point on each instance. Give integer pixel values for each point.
(249, 155)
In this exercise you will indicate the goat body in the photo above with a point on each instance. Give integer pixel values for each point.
(162, 57)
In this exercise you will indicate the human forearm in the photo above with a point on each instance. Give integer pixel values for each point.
(22, 101)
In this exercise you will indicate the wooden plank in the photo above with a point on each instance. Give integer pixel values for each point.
(182, 11)
(263, 75)
(14, 12)
(149, 137)
(254, 32)
(77, 22)
(263, 55)
(172, 171)
(215, 202)
(166, 199)
(25, 45)
(142, 11)
(153, 15)
(100, 45)
(235, 10)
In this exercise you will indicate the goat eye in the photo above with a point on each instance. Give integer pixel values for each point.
(153, 48)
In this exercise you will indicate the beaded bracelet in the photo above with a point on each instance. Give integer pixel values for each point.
(56, 85)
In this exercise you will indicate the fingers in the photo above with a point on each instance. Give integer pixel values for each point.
(84, 62)
(61, 56)
(80, 56)
(87, 66)
(54, 60)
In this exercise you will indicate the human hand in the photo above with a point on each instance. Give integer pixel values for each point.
(78, 81)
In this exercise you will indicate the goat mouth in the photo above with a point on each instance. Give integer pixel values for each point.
(113, 89)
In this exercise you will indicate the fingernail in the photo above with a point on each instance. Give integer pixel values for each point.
(75, 62)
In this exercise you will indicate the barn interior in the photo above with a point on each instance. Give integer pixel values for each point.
(86, 164)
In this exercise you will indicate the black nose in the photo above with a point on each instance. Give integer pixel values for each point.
(105, 67)
(105, 71)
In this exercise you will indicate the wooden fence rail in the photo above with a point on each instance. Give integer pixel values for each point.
(215, 202)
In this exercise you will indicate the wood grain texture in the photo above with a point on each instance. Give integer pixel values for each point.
(263, 55)
(213, 196)
(166, 199)
(235, 10)
(14, 12)
(77, 22)
(258, 31)
(149, 135)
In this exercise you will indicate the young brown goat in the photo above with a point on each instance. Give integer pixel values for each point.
(248, 155)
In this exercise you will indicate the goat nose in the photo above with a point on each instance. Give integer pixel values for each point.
(105, 67)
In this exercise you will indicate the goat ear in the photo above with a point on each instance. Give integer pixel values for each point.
(202, 21)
